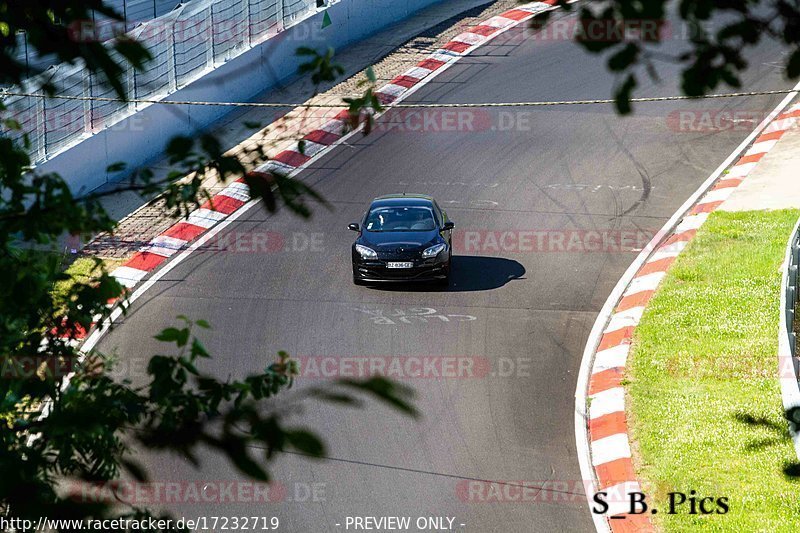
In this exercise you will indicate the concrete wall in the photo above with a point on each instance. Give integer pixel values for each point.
(140, 139)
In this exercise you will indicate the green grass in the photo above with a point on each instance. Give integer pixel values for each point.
(82, 270)
(705, 404)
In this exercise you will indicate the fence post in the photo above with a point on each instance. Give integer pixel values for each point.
(280, 11)
(42, 123)
(35, 106)
(172, 68)
(27, 59)
(88, 104)
(210, 49)
(247, 23)
(132, 101)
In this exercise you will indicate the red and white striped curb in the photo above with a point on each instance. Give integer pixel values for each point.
(236, 195)
(607, 425)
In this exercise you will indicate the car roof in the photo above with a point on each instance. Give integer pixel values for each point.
(402, 199)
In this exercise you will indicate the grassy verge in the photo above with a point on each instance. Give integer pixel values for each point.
(82, 270)
(705, 403)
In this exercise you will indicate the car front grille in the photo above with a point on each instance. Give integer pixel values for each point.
(399, 256)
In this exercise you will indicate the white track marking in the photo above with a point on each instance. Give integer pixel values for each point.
(127, 276)
(615, 357)
(607, 402)
(610, 449)
(624, 319)
(648, 282)
(164, 246)
(205, 218)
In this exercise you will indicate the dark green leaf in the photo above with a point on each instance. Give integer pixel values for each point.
(178, 336)
(622, 97)
(306, 442)
(397, 395)
(247, 465)
(793, 64)
(198, 350)
(179, 147)
(624, 58)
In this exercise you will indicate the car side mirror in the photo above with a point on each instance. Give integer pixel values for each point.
(353, 226)
(448, 225)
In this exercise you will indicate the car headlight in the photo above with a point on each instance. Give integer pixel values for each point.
(434, 250)
(366, 253)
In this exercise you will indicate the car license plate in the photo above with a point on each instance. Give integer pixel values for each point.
(395, 264)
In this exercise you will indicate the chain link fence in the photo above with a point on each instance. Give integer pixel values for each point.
(186, 42)
(133, 12)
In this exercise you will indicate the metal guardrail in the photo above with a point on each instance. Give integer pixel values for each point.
(789, 363)
(189, 41)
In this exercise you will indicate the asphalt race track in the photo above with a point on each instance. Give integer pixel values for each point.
(526, 188)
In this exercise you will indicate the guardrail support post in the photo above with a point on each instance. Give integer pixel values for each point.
(210, 49)
(172, 68)
(248, 26)
(88, 105)
(43, 122)
(41, 128)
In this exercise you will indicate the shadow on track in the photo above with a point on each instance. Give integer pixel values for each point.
(467, 273)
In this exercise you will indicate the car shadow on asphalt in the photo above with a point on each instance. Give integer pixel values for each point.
(467, 273)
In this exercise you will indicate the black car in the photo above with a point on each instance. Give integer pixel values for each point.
(403, 237)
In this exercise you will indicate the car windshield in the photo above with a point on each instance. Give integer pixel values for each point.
(400, 219)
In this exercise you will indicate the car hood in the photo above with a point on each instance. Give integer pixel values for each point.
(384, 241)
